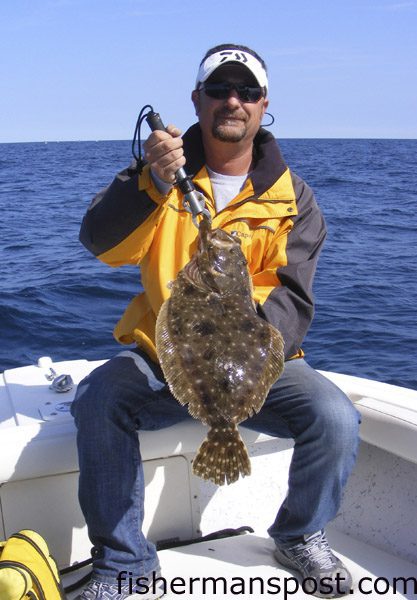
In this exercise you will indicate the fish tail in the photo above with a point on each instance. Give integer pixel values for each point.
(222, 456)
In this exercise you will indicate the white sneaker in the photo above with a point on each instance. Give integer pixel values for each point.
(98, 590)
(324, 574)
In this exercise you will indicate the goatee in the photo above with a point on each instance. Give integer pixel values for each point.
(227, 133)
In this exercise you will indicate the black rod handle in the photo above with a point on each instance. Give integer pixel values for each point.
(154, 121)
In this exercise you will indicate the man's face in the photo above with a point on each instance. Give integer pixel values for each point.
(230, 120)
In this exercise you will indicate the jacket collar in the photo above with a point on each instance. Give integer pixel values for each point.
(269, 163)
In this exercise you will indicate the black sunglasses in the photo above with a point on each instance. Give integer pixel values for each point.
(221, 91)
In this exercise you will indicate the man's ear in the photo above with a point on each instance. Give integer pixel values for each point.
(195, 97)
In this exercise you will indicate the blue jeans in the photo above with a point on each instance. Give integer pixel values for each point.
(128, 393)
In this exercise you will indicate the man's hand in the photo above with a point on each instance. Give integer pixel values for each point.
(164, 153)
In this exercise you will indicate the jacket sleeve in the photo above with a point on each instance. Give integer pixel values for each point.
(288, 301)
(119, 224)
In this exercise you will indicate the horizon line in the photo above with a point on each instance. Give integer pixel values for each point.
(77, 141)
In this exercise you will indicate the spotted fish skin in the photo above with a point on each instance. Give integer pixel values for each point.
(218, 356)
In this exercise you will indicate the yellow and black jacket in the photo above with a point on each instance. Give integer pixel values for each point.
(275, 216)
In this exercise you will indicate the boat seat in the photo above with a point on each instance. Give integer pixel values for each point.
(38, 433)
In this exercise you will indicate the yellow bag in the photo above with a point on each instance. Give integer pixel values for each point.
(27, 570)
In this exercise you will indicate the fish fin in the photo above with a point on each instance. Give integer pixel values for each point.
(272, 370)
(275, 366)
(222, 456)
(170, 360)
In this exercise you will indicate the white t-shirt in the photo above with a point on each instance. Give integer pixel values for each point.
(225, 187)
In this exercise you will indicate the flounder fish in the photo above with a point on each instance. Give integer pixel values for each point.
(218, 356)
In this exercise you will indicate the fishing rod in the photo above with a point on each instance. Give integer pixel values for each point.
(193, 201)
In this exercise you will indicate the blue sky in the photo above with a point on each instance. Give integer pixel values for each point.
(82, 69)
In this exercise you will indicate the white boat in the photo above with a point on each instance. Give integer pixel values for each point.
(374, 532)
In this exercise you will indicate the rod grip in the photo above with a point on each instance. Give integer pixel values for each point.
(155, 123)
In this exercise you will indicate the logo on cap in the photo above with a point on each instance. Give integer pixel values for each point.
(239, 56)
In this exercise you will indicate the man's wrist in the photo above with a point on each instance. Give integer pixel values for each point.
(162, 186)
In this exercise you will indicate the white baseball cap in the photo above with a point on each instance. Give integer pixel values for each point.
(214, 61)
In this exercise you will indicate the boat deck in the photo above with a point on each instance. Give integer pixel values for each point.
(237, 562)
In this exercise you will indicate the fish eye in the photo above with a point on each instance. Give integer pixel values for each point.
(235, 235)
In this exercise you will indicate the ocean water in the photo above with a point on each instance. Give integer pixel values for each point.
(58, 300)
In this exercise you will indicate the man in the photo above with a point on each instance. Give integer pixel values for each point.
(140, 220)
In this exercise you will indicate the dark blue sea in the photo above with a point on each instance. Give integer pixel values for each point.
(58, 300)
